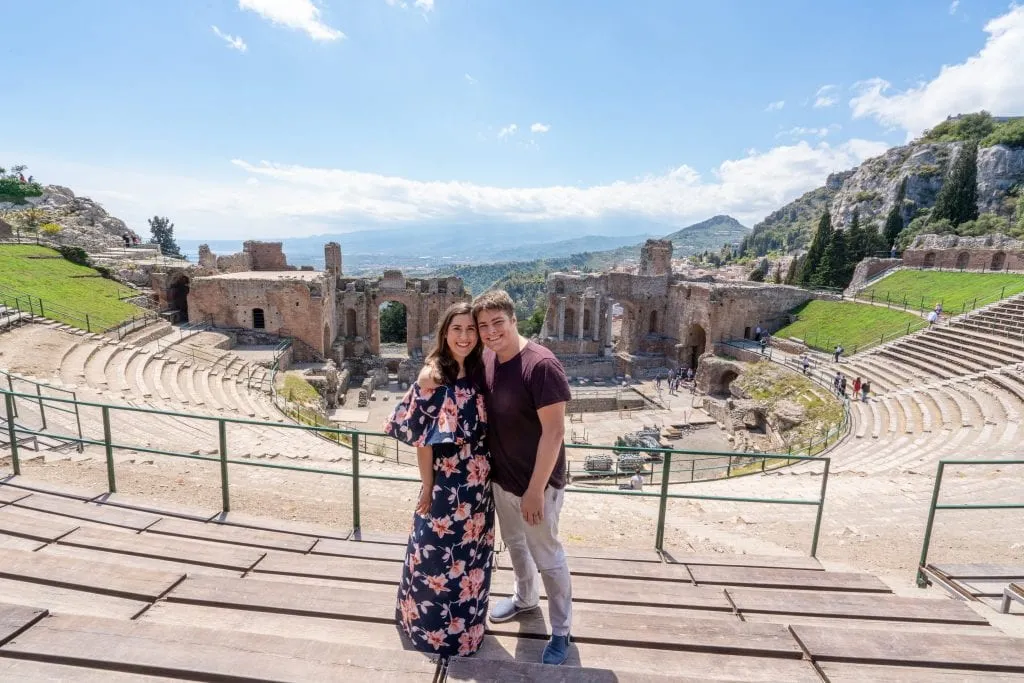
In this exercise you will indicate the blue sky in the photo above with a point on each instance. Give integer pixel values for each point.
(259, 118)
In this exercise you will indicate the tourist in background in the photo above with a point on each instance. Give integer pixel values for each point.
(865, 389)
(445, 586)
(856, 387)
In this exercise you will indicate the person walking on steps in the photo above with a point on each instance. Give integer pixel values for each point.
(838, 352)
(865, 389)
(856, 387)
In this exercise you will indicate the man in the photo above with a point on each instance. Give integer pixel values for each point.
(526, 391)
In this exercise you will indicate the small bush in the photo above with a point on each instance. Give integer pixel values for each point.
(50, 229)
(74, 254)
(1010, 134)
(865, 196)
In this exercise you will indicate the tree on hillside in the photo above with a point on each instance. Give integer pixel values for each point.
(162, 230)
(822, 237)
(834, 268)
(14, 187)
(531, 326)
(894, 221)
(857, 240)
(29, 220)
(958, 198)
(793, 271)
(1020, 212)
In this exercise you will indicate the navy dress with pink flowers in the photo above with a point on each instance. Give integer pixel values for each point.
(442, 600)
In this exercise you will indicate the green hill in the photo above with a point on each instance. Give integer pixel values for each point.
(68, 291)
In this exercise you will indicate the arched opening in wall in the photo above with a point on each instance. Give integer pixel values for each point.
(929, 260)
(998, 260)
(259, 320)
(962, 259)
(570, 323)
(350, 323)
(327, 340)
(697, 340)
(720, 386)
(551, 322)
(587, 321)
(393, 325)
(432, 321)
(442, 286)
(653, 327)
(559, 287)
(178, 296)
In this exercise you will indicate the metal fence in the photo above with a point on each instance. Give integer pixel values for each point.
(354, 438)
(922, 565)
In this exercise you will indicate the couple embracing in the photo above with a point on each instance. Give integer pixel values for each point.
(487, 419)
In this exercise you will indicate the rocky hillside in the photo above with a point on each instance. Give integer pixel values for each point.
(873, 188)
(83, 222)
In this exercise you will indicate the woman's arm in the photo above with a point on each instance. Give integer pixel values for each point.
(425, 461)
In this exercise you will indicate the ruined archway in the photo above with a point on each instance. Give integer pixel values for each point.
(587, 322)
(178, 296)
(569, 330)
(998, 260)
(350, 323)
(393, 329)
(696, 344)
(719, 386)
(962, 259)
(929, 260)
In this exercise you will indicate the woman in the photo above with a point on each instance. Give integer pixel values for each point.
(856, 387)
(442, 599)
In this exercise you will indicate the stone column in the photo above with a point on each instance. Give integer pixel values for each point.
(608, 322)
(561, 318)
(579, 318)
(595, 318)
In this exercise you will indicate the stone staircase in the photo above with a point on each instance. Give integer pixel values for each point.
(940, 393)
(11, 318)
(106, 587)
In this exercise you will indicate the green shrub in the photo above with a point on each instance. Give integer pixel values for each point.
(74, 254)
(965, 127)
(50, 229)
(865, 196)
(16, 192)
(1010, 134)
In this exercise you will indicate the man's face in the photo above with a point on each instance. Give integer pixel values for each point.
(497, 330)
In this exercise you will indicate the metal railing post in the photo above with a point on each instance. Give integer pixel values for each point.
(42, 410)
(355, 482)
(88, 327)
(222, 431)
(12, 433)
(666, 468)
(821, 508)
(111, 481)
(922, 580)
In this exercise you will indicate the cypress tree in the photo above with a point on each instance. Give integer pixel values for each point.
(856, 239)
(834, 266)
(820, 241)
(958, 198)
(794, 268)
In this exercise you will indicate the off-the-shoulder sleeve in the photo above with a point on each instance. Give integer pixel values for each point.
(425, 418)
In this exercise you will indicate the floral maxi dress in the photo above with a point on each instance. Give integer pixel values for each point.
(442, 599)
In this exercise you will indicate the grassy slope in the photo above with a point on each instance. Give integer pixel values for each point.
(60, 282)
(823, 324)
(956, 291)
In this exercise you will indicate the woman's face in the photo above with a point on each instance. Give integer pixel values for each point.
(461, 337)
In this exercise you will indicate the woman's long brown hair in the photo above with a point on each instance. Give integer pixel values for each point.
(441, 355)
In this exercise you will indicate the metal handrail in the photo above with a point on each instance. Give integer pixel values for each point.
(41, 400)
(922, 578)
(353, 436)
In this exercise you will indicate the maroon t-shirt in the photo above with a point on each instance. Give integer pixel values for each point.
(516, 390)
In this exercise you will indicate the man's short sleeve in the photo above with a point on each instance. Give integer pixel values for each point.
(548, 383)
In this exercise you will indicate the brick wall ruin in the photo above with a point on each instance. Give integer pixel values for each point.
(665, 318)
(951, 252)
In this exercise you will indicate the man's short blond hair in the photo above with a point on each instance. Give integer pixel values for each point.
(494, 300)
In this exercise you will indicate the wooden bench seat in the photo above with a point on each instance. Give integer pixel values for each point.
(24, 524)
(28, 671)
(16, 618)
(359, 549)
(790, 579)
(239, 558)
(204, 654)
(244, 536)
(81, 510)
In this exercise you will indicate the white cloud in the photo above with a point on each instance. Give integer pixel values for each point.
(775, 106)
(825, 97)
(989, 80)
(294, 200)
(508, 131)
(301, 15)
(954, 6)
(540, 128)
(233, 42)
(470, 79)
(425, 5)
(801, 131)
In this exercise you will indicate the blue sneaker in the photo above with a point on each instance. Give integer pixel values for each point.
(556, 651)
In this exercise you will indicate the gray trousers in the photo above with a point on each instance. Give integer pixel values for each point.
(536, 549)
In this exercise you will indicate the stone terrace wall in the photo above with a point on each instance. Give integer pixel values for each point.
(987, 252)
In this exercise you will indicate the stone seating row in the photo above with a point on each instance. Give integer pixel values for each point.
(647, 620)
